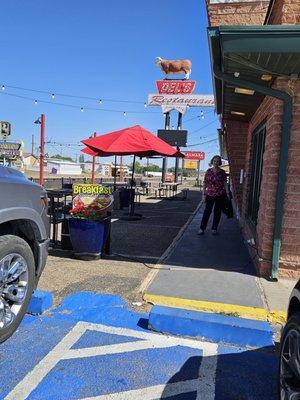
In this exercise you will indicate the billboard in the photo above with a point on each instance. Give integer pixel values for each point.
(190, 164)
(194, 155)
(10, 149)
(173, 137)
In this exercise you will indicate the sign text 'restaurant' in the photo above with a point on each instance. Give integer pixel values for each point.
(193, 100)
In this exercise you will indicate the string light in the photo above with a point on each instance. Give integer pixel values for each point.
(145, 105)
(100, 101)
(35, 102)
(201, 114)
(81, 109)
(3, 87)
(53, 96)
(124, 113)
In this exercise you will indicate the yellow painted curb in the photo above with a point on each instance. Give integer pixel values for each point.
(219, 308)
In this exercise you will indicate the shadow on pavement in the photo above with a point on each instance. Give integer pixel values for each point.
(240, 375)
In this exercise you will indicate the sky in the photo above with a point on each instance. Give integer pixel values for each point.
(92, 50)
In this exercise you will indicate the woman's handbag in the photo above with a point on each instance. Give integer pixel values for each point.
(227, 206)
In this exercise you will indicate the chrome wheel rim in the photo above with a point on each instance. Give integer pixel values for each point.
(13, 287)
(290, 367)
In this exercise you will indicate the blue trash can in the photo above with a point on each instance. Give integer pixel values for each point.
(125, 195)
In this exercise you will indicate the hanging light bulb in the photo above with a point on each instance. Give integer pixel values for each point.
(201, 114)
(35, 102)
(53, 96)
(81, 109)
(145, 105)
(100, 101)
(124, 113)
(3, 87)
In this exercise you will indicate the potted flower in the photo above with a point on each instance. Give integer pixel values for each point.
(88, 225)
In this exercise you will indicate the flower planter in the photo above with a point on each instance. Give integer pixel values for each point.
(87, 238)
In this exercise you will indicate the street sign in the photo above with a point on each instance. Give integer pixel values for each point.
(194, 155)
(190, 164)
(175, 86)
(191, 100)
(5, 129)
(173, 137)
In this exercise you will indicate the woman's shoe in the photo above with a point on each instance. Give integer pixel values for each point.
(201, 232)
(214, 232)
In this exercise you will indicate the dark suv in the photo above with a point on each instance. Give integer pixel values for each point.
(290, 350)
(24, 228)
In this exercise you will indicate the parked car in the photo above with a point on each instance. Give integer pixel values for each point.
(24, 232)
(290, 350)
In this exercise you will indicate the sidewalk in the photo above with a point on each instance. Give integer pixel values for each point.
(216, 274)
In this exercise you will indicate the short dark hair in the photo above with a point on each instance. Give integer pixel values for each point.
(216, 156)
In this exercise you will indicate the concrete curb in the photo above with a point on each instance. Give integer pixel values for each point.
(40, 302)
(159, 265)
(252, 313)
(211, 327)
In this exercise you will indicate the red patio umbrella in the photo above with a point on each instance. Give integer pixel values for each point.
(134, 140)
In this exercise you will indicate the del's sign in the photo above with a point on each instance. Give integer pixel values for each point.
(175, 86)
(194, 155)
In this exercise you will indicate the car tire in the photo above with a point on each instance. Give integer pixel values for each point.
(14, 249)
(288, 384)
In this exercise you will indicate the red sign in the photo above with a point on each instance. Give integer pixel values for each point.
(175, 87)
(194, 155)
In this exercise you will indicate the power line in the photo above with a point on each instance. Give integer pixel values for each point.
(198, 144)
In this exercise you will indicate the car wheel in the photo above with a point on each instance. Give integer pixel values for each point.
(17, 271)
(290, 360)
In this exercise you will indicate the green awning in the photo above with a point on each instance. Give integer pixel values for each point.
(257, 54)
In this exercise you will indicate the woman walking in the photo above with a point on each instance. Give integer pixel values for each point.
(215, 192)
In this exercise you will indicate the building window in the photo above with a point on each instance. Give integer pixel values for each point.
(256, 172)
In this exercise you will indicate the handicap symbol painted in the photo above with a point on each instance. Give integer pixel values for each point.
(203, 384)
(94, 347)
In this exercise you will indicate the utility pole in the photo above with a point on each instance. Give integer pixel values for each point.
(93, 165)
(32, 145)
(41, 121)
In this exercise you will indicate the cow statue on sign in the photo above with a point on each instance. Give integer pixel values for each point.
(175, 66)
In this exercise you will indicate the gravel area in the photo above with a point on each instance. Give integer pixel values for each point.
(136, 248)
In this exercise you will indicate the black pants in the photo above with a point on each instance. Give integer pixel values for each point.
(219, 203)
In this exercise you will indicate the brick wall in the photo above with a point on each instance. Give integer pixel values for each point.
(241, 13)
(270, 111)
(285, 12)
(236, 144)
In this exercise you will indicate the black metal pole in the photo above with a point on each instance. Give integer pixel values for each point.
(164, 164)
(115, 175)
(179, 127)
(131, 210)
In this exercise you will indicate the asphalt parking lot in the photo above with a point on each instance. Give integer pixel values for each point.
(136, 248)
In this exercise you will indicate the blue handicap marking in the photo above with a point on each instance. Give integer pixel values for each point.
(94, 347)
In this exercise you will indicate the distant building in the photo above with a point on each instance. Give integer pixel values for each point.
(59, 167)
(30, 160)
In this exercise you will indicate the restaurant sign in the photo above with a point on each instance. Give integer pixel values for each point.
(90, 189)
(10, 149)
(191, 100)
(194, 155)
(175, 86)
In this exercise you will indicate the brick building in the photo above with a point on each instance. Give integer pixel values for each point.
(255, 57)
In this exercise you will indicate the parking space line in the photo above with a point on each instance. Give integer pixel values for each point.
(63, 350)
